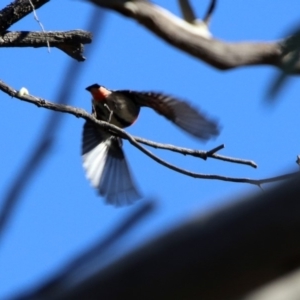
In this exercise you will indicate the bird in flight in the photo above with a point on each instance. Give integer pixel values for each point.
(103, 157)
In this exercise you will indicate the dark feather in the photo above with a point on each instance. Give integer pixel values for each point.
(179, 112)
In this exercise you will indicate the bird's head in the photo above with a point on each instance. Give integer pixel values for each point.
(92, 87)
(98, 92)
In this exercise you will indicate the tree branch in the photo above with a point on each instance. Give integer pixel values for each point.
(182, 35)
(197, 153)
(80, 113)
(71, 42)
(222, 254)
(292, 46)
(17, 10)
(98, 251)
(190, 17)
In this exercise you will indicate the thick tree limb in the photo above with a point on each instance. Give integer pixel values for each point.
(182, 35)
(80, 113)
(71, 42)
(221, 255)
(17, 10)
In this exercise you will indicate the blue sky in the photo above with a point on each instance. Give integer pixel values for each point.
(59, 214)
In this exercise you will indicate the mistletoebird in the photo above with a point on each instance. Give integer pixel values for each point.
(103, 157)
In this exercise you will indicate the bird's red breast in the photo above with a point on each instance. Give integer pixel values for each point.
(98, 92)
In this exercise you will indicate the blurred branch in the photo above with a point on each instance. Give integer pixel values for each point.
(182, 35)
(80, 113)
(37, 157)
(220, 255)
(68, 41)
(291, 47)
(190, 17)
(22, 180)
(210, 11)
(187, 11)
(72, 272)
(17, 10)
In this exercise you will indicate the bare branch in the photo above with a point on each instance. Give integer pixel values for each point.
(22, 179)
(291, 62)
(17, 10)
(187, 11)
(97, 251)
(184, 36)
(210, 11)
(39, 22)
(80, 113)
(298, 160)
(71, 42)
(216, 149)
(222, 254)
(190, 17)
(197, 153)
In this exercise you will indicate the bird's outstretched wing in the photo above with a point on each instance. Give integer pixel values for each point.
(179, 112)
(106, 166)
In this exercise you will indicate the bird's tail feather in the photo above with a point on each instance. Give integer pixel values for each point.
(106, 166)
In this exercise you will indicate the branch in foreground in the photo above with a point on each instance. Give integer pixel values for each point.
(71, 42)
(21, 181)
(17, 10)
(184, 36)
(224, 254)
(94, 255)
(80, 113)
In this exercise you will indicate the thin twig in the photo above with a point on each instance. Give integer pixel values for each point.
(209, 12)
(80, 113)
(216, 149)
(197, 153)
(39, 22)
(17, 10)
